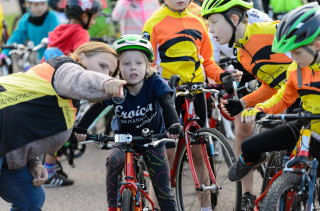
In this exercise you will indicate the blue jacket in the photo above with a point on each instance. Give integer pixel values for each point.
(27, 30)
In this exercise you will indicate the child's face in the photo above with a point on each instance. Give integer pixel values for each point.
(85, 18)
(101, 62)
(303, 57)
(177, 4)
(220, 28)
(38, 8)
(133, 66)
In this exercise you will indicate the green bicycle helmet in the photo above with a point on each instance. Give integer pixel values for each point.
(298, 28)
(134, 42)
(220, 6)
(223, 6)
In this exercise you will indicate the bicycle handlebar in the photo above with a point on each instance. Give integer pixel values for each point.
(298, 116)
(151, 140)
(21, 49)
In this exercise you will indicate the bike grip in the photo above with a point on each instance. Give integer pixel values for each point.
(224, 114)
(260, 115)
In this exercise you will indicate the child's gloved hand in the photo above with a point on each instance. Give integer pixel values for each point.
(80, 134)
(249, 115)
(175, 131)
(231, 107)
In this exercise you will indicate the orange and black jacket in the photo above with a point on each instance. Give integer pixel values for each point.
(255, 55)
(303, 83)
(30, 108)
(182, 46)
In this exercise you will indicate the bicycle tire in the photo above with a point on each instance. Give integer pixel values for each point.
(141, 179)
(273, 166)
(228, 198)
(127, 203)
(277, 191)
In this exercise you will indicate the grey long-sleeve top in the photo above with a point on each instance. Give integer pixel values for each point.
(70, 81)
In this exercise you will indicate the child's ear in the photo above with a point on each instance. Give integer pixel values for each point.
(317, 44)
(235, 19)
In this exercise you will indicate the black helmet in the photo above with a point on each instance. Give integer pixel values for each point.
(75, 8)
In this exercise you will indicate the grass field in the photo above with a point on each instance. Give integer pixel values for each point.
(9, 19)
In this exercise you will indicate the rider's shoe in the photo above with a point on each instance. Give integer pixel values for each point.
(240, 169)
(247, 202)
(58, 181)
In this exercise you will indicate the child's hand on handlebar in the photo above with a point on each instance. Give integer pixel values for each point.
(79, 133)
(80, 137)
(232, 107)
(175, 131)
(236, 74)
(249, 115)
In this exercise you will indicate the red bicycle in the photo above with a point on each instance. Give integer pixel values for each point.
(132, 194)
(199, 171)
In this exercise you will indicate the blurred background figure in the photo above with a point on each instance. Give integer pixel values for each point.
(132, 14)
(276, 9)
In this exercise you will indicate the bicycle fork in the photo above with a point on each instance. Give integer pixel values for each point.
(214, 187)
(131, 184)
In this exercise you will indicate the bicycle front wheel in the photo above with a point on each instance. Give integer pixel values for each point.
(127, 201)
(283, 194)
(221, 158)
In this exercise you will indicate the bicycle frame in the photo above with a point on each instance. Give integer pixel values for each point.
(190, 123)
(297, 163)
(131, 182)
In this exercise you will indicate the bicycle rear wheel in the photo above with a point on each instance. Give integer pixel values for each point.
(127, 201)
(226, 198)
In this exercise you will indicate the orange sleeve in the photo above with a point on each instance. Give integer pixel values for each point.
(284, 98)
(263, 93)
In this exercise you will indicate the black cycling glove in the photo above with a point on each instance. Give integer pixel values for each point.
(226, 79)
(176, 129)
(234, 107)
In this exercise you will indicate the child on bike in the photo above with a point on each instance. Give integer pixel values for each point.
(146, 103)
(184, 49)
(37, 112)
(229, 24)
(33, 26)
(298, 33)
(64, 40)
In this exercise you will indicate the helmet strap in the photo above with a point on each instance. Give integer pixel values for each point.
(86, 26)
(313, 53)
(234, 28)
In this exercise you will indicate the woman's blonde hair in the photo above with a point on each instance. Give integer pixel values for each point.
(91, 49)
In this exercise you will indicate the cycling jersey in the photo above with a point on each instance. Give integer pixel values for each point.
(307, 87)
(185, 49)
(24, 96)
(256, 57)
